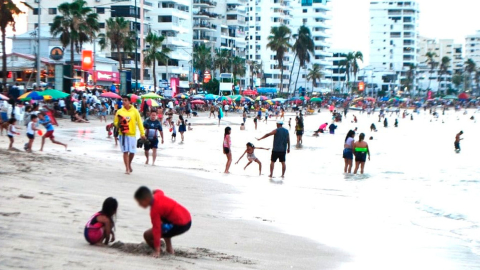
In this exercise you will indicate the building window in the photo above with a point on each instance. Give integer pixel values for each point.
(307, 3)
(257, 28)
(258, 19)
(52, 11)
(304, 21)
(257, 38)
(101, 10)
(101, 25)
(35, 11)
(305, 11)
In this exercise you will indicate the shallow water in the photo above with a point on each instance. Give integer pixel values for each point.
(416, 207)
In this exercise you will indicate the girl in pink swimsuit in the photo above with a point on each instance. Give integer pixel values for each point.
(100, 226)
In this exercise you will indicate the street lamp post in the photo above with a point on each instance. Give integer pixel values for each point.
(136, 48)
(38, 47)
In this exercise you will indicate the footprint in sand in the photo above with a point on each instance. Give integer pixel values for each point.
(13, 214)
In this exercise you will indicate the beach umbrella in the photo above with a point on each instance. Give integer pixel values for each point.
(269, 102)
(294, 99)
(182, 96)
(316, 99)
(281, 100)
(261, 98)
(151, 95)
(450, 97)
(3, 97)
(305, 98)
(224, 98)
(134, 98)
(463, 96)
(30, 95)
(53, 94)
(370, 99)
(152, 103)
(198, 102)
(211, 97)
(250, 93)
(198, 97)
(110, 95)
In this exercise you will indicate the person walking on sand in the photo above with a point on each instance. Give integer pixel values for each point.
(212, 111)
(45, 121)
(153, 128)
(182, 127)
(348, 151)
(227, 145)
(457, 141)
(281, 146)
(361, 151)
(127, 120)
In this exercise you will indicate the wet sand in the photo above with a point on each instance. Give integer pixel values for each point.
(46, 199)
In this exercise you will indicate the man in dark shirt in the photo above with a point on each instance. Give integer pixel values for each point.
(281, 146)
(153, 128)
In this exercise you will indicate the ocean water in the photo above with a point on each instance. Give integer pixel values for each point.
(416, 206)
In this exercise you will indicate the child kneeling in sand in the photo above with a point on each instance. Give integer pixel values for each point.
(169, 218)
(100, 226)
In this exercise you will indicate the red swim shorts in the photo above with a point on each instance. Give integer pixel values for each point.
(49, 134)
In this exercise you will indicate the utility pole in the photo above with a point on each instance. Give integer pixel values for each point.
(38, 46)
(136, 47)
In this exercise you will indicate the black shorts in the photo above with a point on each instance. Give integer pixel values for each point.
(457, 145)
(170, 230)
(152, 145)
(10, 136)
(360, 157)
(299, 133)
(174, 135)
(31, 136)
(278, 155)
(226, 150)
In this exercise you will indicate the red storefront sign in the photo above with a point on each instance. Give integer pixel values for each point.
(107, 76)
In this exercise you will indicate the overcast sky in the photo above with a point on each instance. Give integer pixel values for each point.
(438, 19)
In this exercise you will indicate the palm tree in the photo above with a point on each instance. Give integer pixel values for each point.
(443, 69)
(314, 74)
(255, 69)
(156, 52)
(303, 47)
(238, 67)
(431, 62)
(357, 56)
(222, 59)
(76, 25)
(129, 44)
(117, 35)
(408, 82)
(346, 63)
(470, 67)
(8, 11)
(457, 80)
(278, 41)
(202, 58)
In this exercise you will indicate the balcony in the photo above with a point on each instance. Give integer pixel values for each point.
(202, 14)
(204, 3)
(204, 38)
(204, 26)
(175, 41)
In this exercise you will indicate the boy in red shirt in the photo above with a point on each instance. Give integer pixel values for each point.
(169, 218)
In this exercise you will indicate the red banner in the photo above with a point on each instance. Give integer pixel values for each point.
(107, 76)
(87, 60)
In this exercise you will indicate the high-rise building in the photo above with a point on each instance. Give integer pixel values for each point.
(336, 72)
(394, 34)
(313, 14)
(172, 18)
(472, 47)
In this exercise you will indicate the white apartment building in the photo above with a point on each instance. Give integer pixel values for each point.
(171, 18)
(313, 14)
(394, 36)
(262, 16)
(472, 47)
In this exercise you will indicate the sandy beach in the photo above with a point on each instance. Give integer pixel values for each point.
(317, 218)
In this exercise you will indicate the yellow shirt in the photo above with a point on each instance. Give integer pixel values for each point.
(132, 117)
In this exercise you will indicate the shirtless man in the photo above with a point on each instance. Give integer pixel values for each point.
(457, 141)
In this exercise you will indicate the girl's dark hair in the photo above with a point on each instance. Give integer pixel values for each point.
(227, 131)
(109, 207)
(181, 119)
(351, 134)
(12, 120)
(362, 136)
(251, 145)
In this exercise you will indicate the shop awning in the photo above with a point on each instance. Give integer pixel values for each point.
(266, 90)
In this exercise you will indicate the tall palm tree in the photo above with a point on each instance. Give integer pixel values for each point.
(238, 67)
(303, 47)
(346, 63)
(470, 67)
(255, 69)
(314, 74)
(443, 69)
(202, 58)
(431, 62)
(156, 52)
(357, 56)
(8, 11)
(129, 44)
(278, 41)
(222, 59)
(409, 80)
(117, 34)
(76, 25)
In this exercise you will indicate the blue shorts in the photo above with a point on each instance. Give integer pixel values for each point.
(153, 144)
(348, 153)
(31, 136)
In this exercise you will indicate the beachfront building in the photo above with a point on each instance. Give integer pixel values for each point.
(262, 16)
(472, 47)
(394, 37)
(313, 14)
(170, 18)
(336, 73)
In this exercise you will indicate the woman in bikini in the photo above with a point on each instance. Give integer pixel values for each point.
(251, 156)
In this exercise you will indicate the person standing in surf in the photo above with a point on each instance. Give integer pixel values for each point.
(227, 145)
(348, 151)
(281, 146)
(361, 151)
